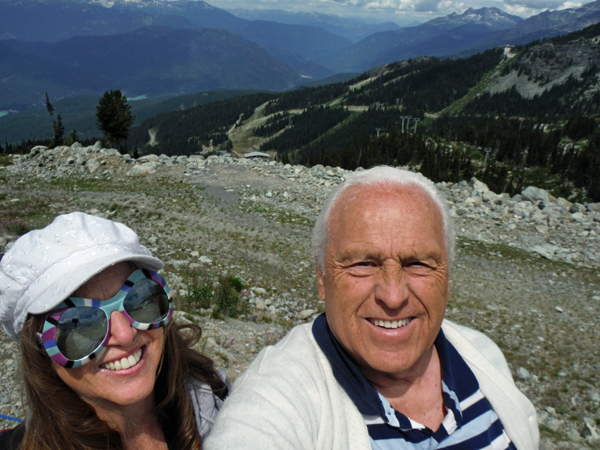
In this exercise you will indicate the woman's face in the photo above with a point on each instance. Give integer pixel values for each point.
(99, 382)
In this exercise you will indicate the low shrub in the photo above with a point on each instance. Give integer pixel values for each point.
(211, 289)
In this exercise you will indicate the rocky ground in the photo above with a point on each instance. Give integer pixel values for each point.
(526, 271)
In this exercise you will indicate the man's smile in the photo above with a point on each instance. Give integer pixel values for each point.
(391, 323)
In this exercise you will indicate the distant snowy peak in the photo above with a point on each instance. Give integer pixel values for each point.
(492, 18)
(162, 4)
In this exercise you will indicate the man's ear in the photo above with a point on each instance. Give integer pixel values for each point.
(321, 284)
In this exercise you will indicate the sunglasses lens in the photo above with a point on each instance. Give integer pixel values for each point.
(80, 331)
(146, 302)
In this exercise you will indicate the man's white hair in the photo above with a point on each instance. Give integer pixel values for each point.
(383, 175)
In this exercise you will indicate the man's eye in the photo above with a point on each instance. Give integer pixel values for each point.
(416, 264)
(364, 264)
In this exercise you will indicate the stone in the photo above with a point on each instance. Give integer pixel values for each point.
(554, 424)
(573, 435)
(205, 260)
(523, 373)
(93, 165)
(143, 169)
(591, 426)
(535, 195)
(564, 203)
(547, 250)
(260, 305)
(593, 207)
(148, 158)
(305, 314)
(478, 186)
(558, 309)
(259, 291)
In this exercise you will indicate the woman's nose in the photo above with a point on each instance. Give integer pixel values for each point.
(121, 331)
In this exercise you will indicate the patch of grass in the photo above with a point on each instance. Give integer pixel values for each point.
(229, 301)
(223, 293)
(200, 289)
(5, 160)
(266, 319)
(15, 226)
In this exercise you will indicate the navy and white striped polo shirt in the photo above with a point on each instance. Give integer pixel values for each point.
(470, 422)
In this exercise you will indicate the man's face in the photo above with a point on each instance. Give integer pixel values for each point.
(385, 284)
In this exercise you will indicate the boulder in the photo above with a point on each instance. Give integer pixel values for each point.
(593, 207)
(535, 195)
(478, 186)
(146, 168)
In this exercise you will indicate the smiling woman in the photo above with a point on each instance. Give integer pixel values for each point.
(104, 365)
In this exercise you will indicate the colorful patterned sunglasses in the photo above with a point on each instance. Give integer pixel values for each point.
(78, 329)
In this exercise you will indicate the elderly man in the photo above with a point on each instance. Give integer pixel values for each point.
(381, 369)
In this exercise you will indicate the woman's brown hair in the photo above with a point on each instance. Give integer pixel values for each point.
(60, 419)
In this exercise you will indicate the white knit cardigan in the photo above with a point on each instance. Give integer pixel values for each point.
(289, 398)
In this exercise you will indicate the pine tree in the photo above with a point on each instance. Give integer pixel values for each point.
(50, 109)
(73, 137)
(114, 118)
(58, 135)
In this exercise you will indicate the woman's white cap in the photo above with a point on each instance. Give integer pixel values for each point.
(44, 267)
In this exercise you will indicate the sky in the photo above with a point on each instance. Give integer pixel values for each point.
(400, 11)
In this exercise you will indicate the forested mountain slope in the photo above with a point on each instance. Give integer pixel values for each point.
(534, 109)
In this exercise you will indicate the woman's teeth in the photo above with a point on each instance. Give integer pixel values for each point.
(390, 323)
(124, 363)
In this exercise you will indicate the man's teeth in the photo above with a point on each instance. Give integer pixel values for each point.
(124, 363)
(390, 323)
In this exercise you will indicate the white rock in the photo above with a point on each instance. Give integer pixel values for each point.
(591, 426)
(523, 373)
(305, 314)
(260, 305)
(534, 194)
(478, 186)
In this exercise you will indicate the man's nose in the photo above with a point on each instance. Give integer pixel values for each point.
(121, 331)
(392, 288)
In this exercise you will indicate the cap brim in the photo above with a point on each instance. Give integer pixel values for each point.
(69, 283)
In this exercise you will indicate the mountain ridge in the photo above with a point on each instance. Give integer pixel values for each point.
(152, 60)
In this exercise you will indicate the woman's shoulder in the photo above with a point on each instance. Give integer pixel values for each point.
(205, 403)
(11, 439)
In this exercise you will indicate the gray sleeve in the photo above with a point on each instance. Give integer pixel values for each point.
(206, 404)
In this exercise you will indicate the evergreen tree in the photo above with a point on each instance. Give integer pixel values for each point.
(113, 117)
(73, 137)
(58, 134)
(50, 109)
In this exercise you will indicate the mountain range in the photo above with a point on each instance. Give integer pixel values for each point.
(471, 31)
(348, 27)
(151, 60)
(153, 47)
(552, 80)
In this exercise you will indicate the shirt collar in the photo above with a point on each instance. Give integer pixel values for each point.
(458, 379)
